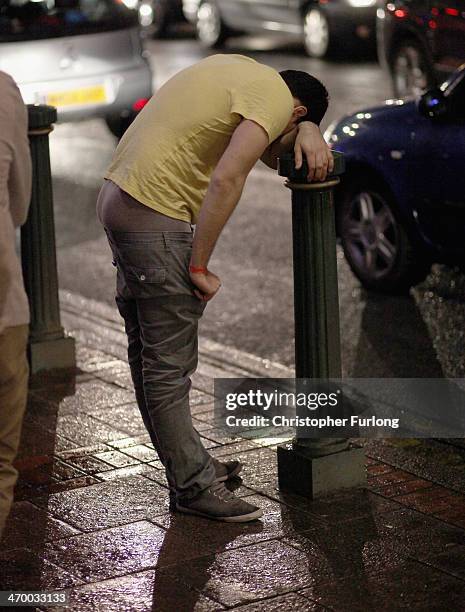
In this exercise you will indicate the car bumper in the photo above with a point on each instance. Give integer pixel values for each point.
(93, 96)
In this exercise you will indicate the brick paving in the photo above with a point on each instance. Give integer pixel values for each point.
(91, 508)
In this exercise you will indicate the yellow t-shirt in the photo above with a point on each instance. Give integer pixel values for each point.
(166, 157)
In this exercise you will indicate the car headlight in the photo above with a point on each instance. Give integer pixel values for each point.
(361, 3)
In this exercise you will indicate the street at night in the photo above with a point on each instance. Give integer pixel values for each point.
(313, 459)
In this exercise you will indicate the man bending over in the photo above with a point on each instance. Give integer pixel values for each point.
(184, 161)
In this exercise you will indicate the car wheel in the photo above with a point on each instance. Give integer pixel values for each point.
(376, 245)
(410, 71)
(317, 33)
(210, 28)
(119, 124)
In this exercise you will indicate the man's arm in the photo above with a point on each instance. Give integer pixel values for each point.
(247, 144)
(305, 139)
(282, 144)
(15, 175)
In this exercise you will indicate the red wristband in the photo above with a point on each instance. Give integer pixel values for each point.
(197, 269)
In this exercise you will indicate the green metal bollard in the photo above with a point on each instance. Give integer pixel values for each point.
(49, 348)
(314, 466)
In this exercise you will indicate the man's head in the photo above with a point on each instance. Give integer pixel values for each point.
(310, 97)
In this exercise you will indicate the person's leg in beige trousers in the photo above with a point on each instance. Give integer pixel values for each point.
(14, 372)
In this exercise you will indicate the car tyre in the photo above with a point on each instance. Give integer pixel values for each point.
(376, 245)
(410, 69)
(162, 19)
(210, 29)
(318, 37)
(119, 124)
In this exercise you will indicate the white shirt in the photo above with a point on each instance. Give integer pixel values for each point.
(15, 194)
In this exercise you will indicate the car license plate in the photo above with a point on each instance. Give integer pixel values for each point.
(95, 94)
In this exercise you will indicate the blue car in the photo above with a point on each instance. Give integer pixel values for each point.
(401, 204)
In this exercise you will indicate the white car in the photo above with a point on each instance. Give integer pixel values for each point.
(329, 27)
(84, 57)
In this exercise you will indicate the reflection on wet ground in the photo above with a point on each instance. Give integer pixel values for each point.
(91, 512)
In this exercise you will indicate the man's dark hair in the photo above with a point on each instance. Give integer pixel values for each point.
(310, 91)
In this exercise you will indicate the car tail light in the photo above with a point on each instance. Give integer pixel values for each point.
(139, 104)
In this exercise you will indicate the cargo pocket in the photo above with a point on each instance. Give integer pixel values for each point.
(144, 282)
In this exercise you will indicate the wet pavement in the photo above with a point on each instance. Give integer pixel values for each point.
(91, 510)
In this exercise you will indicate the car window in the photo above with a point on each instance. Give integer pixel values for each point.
(24, 20)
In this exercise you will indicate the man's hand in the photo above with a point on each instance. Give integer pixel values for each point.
(207, 285)
(310, 142)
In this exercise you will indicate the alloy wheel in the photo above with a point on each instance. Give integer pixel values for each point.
(409, 72)
(371, 235)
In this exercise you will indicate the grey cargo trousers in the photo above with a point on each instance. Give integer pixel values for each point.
(155, 297)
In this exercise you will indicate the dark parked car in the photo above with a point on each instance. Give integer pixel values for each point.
(325, 26)
(421, 42)
(401, 204)
(158, 16)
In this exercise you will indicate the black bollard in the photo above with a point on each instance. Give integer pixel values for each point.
(313, 466)
(49, 348)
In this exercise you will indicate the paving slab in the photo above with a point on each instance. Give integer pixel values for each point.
(450, 561)
(242, 575)
(283, 603)
(88, 397)
(369, 545)
(108, 553)
(140, 469)
(411, 586)
(22, 569)
(46, 528)
(140, 592)
(428, 459)
(107, 504)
